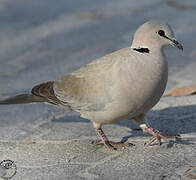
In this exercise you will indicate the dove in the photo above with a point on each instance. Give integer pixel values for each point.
(124, 84)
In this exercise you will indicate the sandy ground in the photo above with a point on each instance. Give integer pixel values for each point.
(43, 40)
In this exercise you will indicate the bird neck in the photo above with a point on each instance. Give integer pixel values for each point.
(142, 49)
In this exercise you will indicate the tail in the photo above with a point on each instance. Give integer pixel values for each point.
(22, 99)
(41, 93)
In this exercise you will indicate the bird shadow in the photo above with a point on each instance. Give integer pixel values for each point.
(68, 119)
(171, 120)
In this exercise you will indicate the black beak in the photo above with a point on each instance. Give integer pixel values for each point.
(177, 44)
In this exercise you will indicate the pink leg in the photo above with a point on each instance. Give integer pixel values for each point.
(157, 135)
(109, 144)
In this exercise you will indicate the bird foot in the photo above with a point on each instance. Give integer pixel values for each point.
(109, 144)
(113, 145)
(157, 136)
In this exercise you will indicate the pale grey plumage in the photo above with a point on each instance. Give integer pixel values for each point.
(123, 84)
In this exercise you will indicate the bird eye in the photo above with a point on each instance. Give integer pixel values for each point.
(161, 33)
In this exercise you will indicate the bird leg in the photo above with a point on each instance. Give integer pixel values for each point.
(157, 136)
(109, 144)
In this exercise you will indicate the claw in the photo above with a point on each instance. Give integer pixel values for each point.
(110, 144)
(115, 144)
(157, 136)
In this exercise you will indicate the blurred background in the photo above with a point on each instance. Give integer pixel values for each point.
(41, 40)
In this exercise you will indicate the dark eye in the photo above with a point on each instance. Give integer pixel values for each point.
(161, 33)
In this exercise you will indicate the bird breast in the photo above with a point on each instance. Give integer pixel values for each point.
(143, 81)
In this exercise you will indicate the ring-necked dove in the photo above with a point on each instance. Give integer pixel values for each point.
(122, 85)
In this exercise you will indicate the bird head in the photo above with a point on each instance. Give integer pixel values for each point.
(154, 34)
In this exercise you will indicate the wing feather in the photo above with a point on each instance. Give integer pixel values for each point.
(45, 90)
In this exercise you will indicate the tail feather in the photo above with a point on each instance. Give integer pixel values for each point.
(22, 99)
(41, 93)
